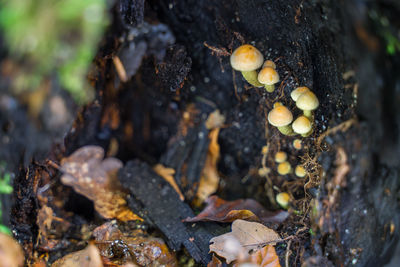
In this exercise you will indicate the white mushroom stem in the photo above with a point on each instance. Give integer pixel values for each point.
(251, 78)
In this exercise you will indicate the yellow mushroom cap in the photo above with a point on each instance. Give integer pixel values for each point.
(277, 104)
(284, 168)
(301, 125)
(269, 63)
(297, 144)
(280, 157)
(268, 76)
(246, 58)
(300, 171)
(307, 101)
(298, 91)
(280, 116)
(283, 199)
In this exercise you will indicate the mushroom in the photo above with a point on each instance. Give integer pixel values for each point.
(302, 125)
(269, 63)
(297, 92)
(280, 157)
(281, 117)
(269, 77)
(307, 102)
(284, 168)
(300, 171)
(247, 59)
(283, 199)
(297, 144)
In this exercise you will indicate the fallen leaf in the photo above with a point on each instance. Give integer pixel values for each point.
(95, 178)
(265, 257)
(117, 246)
(250, 235)
(209, 178)
(215, 262)
(10, 252)
(219, 210)
(168, 175)
(88, 257)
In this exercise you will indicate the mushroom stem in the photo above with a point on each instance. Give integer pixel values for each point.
(308, 114)
(286, 130)
(251, 78)
(269, 88)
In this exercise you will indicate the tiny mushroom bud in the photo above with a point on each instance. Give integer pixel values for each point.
(302, 125)
(283, 199)
(300, 171)
(247, 59)
(269, 77)
(269, 63)
(280, 156)
(277, 104)
(281, 117)
(297, 144)
(297, 92)
(284, 168)
(307, 102)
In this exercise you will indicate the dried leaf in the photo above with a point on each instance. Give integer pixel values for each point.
(88, 257)
(209, 179)
(10, 252)
(120, 247)
(265, 257)
(95, 178)
(220, 210)
(250, 235)
(168, 175)
(215, 262)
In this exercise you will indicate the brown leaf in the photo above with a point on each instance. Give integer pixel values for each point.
(120, 247)
(220, 210)
(10, 252)
(209, 179)
(250, 235)
(168, 175)
(265, 257)
(95, 178)
(215, 262)
(88, 257)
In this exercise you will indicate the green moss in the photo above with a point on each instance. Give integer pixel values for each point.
(54, 37)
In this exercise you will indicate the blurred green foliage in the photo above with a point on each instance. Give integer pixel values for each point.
(5, 188)
(387, 31)
(54, 37)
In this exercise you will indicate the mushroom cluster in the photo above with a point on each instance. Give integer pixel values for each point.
(247, 59)
(282, 118)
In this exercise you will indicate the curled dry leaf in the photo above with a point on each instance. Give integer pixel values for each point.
(121, 247)
(95, 178)
(168, 175)
(265, 257)
(250, 235)
(209, 179)
(219, 210)
(10, 252)
(88, 257)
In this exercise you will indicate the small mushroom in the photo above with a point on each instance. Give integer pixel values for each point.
(297, 144)
(297, 92)
(284, 168)
(281, 117)
(247, 59)
(269, 63)
(300, 171)
(307, 102)
(269, 77)
(302, 125)
(283, 199)
(280, 157)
